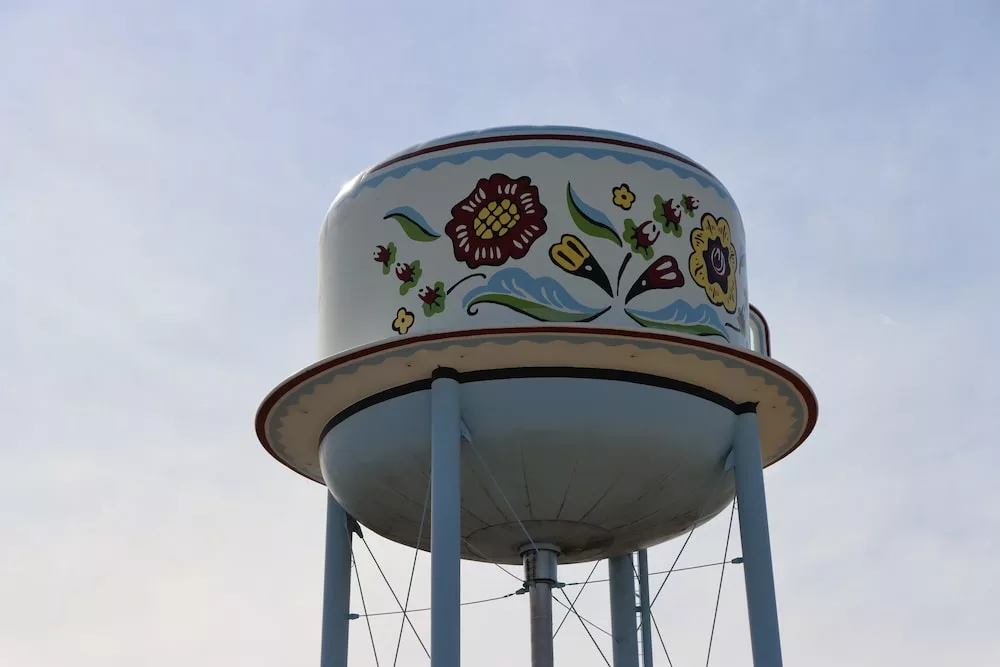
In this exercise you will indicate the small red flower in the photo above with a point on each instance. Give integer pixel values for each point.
(671, 212)
(385, 255)
(690, 204)
(646, 234)
(499, 220)
(404, 272)
(427, 294)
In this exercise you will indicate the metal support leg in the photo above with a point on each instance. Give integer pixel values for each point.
(446, 535)
(762, 607)
(622, 583)
(645, 612)
(336, 587)
(540, 576)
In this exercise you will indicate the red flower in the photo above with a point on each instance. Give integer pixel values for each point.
(690, 204)
(661, 274)
(499, 220)
(428, 294)
(646, 234)
(404, 272)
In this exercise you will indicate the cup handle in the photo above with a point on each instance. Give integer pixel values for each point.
(760, 333)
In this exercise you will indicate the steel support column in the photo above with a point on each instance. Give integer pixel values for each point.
(621, 576)
(336, 587)
(446, 535)
(540, 562)
(758, 572)
(645, 611)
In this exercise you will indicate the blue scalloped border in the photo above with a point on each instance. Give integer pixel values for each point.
(373, 179)
(515, 131)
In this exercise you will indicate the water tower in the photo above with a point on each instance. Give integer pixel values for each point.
(546, 331)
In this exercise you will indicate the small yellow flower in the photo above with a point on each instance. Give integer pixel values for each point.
(404, 320)
(713, 261)
(569, 253)
(622, 197)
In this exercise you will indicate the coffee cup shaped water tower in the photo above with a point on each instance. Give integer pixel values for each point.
(546, 331)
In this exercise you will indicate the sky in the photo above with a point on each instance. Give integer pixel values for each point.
(164, 171)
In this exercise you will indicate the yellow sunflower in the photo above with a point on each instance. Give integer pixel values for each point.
(713, 261)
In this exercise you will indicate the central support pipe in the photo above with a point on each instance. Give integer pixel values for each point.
(645, 610)
(446, 525)
(540, 577)
(621, 576)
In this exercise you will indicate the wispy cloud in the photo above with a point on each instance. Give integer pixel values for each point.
(163, 172)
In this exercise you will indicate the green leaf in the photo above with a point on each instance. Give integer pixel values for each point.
(414, 225)
(693, 329)
(430, 309)
(535, 310)
(540, 298)
(629, 235)
(589, 220)
(676, 231)
(658, 210)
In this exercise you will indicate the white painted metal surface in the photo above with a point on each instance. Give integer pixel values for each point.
(523, 226)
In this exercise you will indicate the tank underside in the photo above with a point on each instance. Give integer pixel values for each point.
(597, 467)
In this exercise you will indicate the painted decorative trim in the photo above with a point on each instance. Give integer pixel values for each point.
(519, 131)
(283, 401)
(611, 139)
(534, 372)
(595, 148)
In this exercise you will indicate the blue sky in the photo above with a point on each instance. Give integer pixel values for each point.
(164, 169)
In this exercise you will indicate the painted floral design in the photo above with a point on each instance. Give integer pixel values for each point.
(689, 204)
(713, 261)
(668, 213)
(409, 275)
(572, 256)
(432, 298)
(404, 320)
(545, 299)
(623, 197)
(664, 273)
(385, 255)
(499, 220)
(641, 238)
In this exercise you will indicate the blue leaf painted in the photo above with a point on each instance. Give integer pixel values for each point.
(588, 219)
(413, 224)
(682, 317)
(542, 299)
